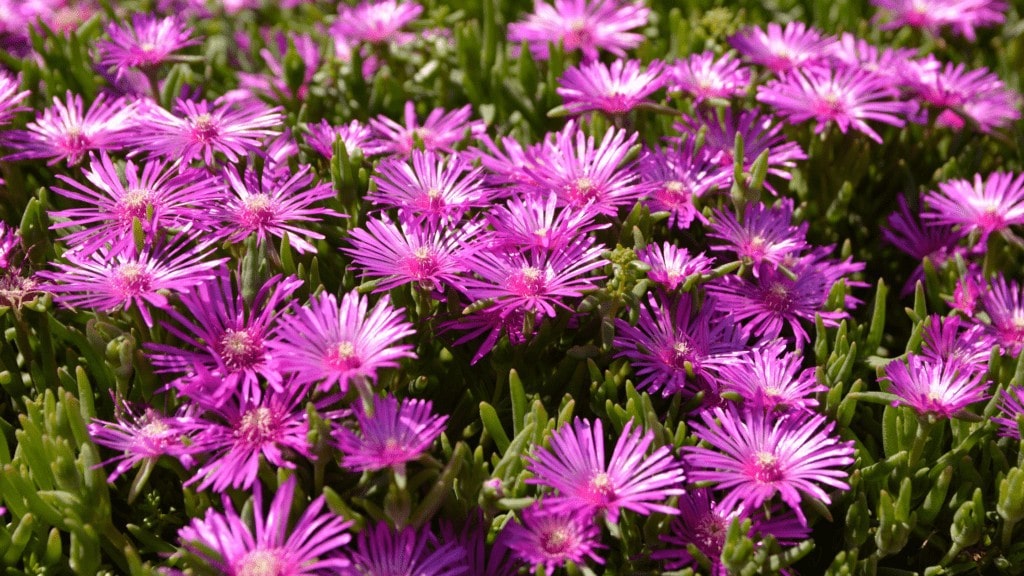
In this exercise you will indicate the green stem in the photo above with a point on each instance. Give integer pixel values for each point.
(924, 428)
(1008, 526)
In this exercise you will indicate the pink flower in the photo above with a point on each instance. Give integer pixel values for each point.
(10, 97)
(440, 131)
(765, 235)
(960, 94)
(375, 22)
(429, 187)
(321, 138)
(933, 15)
(146, 43)
(585, 25)
(390, 435)
(1004, 304)
(379, 550)
(143, 435)
(983, 207)
(935, 387)
(613, 90)
(553, 537)
(771, 378)
(678, 176)
(671, 266)
(782, 49)
(704, 77)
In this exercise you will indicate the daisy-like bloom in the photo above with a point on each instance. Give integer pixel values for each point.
(532, 281)
(441, 130)
(376, 22)
(766, 234)
(106, 281)
(273, 84)
(142, 434)
(429, 256)
(234, 434)
(391, 436)
(984, 207)
(321, 138)
(847, 97)
(201, 129)
(585, 25)
(677, 176)
(429, 187)
(1011, 405)
(160, 197)
(536, 223)
(334, 345)
(673, 351)
(704, 77)
(519, 325)
(575, 466)
(379, 550)
(671, 266)
(933, 15)
(783, 49)
(1004, 304)
(269, 207)
(230, 546)
(614, 90)
(939, 243)
(939, 388)
(553, 537)
(146, 43)
(771, 378)
(587, 175)
(10, 97)
(509, 166)
(754, 456)
(226, 336)
(959, 94)
(967, 292)
(968, 349)
(853, 52)
(63, 132)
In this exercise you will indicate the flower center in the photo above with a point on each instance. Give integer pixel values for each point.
(261, 563)
(257, 426)
(767, 468)
(681, 354)
(258, 210)
(675, 194)
(528, 281)
(131, 279)
(557, 541)
(435, 200)
(204, 128)
(75, 142)
(578, 34)
(709, 535)
(239, 349)
(581, 191)
(343, 356)
(134, 203)
(777, 298)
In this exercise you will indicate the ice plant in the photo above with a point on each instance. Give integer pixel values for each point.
(376, 22)
(429, 187)
(782, 49)
(679, 175)
(584, 25)
(853, 52)
(585, 481)
(142, 434)
(146, 43)
(226, 543)
(969, 349)
(772, 378)
(551, 538)
(754, 456)
(942, 389)
(332, 344)
(705, 77)
(389, 436)
(1011, 407)
(671, 266)
(959, 94)
(379, 550)
(1004, 304)
(765, 234)
(983, 207)
(440, 131)
(962, 16)
(614, 90)
(535, 222)
(321, 138)
(10, 97)
(920, 239)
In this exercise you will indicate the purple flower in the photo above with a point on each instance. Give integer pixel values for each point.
(782, 49)
(430, 187)
(535, 223)
(671, 266)
(1004, 304)
(984, 207)
(62, 132)
(142, 434)
(333, 344)
(853, 52)
(272, 84)
(671, 350)
(499, 560)
(408, 552)
(585, 25)
(847, 97)
(677, 176)
(756, 456)
(613, 90)
(969, 349)
(146, 43)
(919, 239)
(10, 248)
(552, 538)
(510, 169)
(375, 22)
(161, 198)
(1011, 405)
(933, 15)
(575, 466)
(772, 380)
(10, 97)
(705, 78)
(959, 93)
(441, 130)
(766, 235)
(230, 546)
(519, 325)
(355, 135)
(929, 387)
(390, 436)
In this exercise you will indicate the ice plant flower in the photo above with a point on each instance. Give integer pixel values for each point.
(230, 546)
(853, 52)
(551, 538)
(63, 132)
(375, 22)
(143, 435)
(440, 131)
(379, 550)
(704, 77)
(969, 349)
(782, 49)
(614, 90)
(1011, 408)
(354, 135)
(942, 389)
(536, 223)
(962, 16)
(983, 206)
(771, 378)
(332, 344)
(671, 266)
(846, 97)
(159, 197)
(585, 25)
(920, 239)
(677, 176)
(754, 456)
(429, 187)
(10, 246)
(960, 94)
(202, 129)
(585, 481)
(146, 43)
(10, 97)
(765, 235)
(1004, 304)
(390, 436)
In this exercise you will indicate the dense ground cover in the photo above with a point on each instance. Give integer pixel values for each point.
(460, 288)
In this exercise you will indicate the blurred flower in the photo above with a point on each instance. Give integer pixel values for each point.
(10, 97)
(375, 22)
(142, 433)
(670, 266)
(441, 130)
(677, 176)
(1011, 405)
(766, 234)
(1004, 304)
(585, 25)
(986, 206)
(553, 538)
(390, 435)
(783, 49)
(705, 78)
(771, 379)
(614, 90)
(274, 83)
(429, 187)
(920, 239)
(959, 93)
(854, 52)
(379, 551)
(145, 43)
(321, 138)
(935, 387)
(933, 15)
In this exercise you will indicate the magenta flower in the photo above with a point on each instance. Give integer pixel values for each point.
(519, 325)
(933, 15)
(142, 434)
(940, 388)
(441, 130)
(613, 90)
(536, 223)
(272, 84)
(1004, 304)
(145, 43)
(585, 25)
(766, 234)
(375, 22)
(960, 94)
(321, 138)
(408, 552)
(334, 345)
(984, 207)
(10, 97)
(271, 207)
(1011, 405)
(202, 129)
(705, 78)
(673, 351)
(553, 537)
(847, 97)
(671, 266)
(390, 436)
(161, 198)
(677, 176)
(429, 256)
(939, 243)
(853, 52)
(63, 132)
(230, 546)
(969, 349)
(428, 188)
(783, 49)
(756, 456)
(509, 166)
(106, 281)
(771, 379)
(10, 248)
(575, 466)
